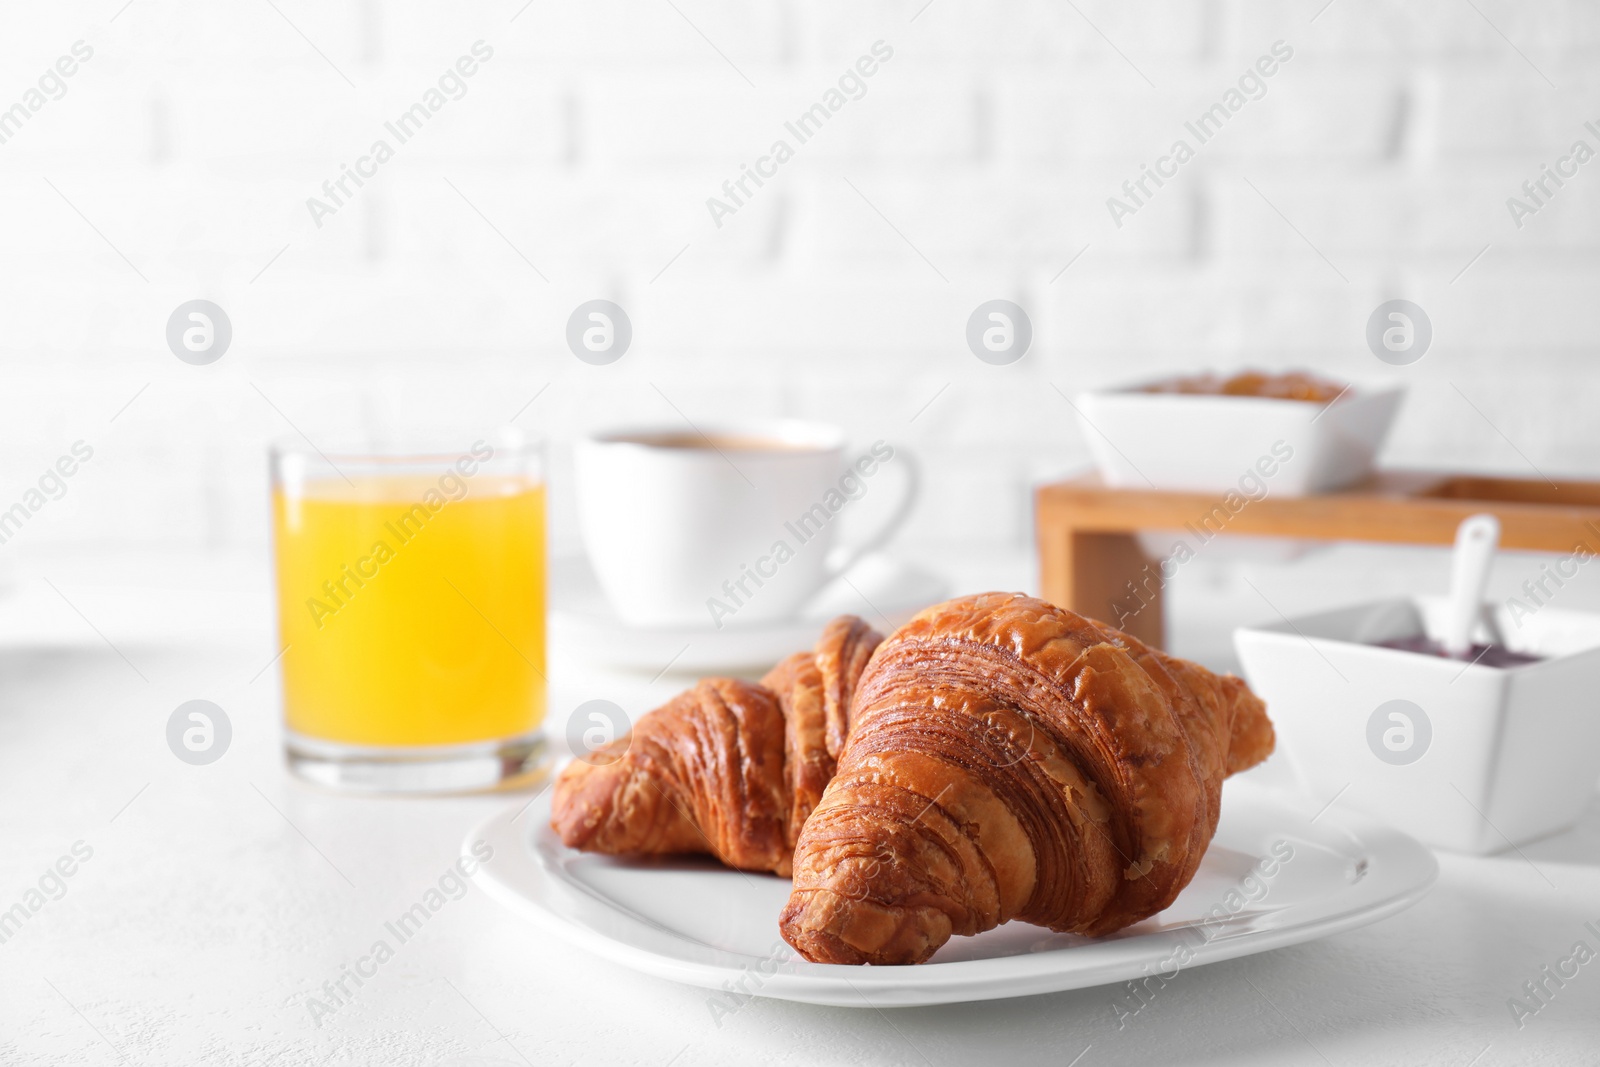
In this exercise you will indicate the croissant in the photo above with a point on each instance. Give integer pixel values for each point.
(1008, 759)
(727, 767)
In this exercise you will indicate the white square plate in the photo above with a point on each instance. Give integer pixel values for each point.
(696, 922)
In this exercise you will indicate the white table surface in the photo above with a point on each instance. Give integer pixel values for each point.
(218, 899)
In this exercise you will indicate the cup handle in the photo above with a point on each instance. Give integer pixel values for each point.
(848, 556)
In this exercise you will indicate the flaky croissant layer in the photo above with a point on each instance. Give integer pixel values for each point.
(1009, 759)
(727, 767)
(997, 758)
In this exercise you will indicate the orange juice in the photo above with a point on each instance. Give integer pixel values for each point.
(412, 608)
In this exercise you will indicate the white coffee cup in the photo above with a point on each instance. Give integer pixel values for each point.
(728, 526)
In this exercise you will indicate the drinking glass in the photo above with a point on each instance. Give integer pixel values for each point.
(411, 615)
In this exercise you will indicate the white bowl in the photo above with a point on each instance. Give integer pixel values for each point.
(1465, 757)
(1209, 443)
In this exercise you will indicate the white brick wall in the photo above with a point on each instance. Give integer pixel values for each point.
(593, 137)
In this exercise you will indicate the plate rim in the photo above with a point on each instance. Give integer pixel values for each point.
(577, 618)
(1403, 869)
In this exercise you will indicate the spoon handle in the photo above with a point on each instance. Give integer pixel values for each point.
(1476, 540)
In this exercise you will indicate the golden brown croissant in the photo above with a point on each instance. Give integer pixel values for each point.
(727, 767)
(1008, 760)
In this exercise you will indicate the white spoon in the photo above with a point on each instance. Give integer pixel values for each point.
(1476, 540)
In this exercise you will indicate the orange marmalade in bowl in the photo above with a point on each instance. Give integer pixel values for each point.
(1292, 385)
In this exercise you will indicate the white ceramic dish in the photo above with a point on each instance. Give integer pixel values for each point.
(880, 589)
(1475, 759)
(697, 923)
(1212, 443)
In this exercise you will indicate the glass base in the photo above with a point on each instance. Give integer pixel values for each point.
(480, 766)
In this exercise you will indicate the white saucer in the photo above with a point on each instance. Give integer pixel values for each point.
(695, 922)
(879, 588)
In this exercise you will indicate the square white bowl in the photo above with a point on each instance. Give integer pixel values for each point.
(1464, 757)
(1205, 443)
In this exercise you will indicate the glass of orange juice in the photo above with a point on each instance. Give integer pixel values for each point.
(411, 615)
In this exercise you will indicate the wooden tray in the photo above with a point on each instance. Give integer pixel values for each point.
(1090, 560)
